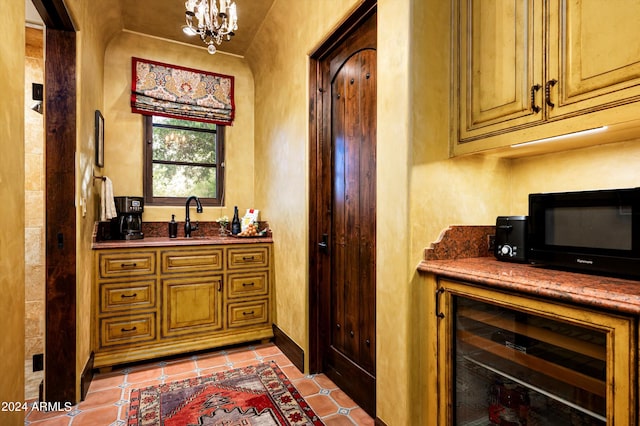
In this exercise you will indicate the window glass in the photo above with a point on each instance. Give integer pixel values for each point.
(183, 158)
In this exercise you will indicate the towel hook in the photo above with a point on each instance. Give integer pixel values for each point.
(97, 177)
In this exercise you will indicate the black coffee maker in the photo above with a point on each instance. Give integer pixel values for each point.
(128, 223)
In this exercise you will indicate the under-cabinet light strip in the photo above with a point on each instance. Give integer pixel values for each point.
(537, 389)
(555, 138)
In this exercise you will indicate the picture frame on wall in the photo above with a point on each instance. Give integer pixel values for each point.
(99, 139)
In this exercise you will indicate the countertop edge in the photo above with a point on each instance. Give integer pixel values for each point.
(601, 292)
(153, 242)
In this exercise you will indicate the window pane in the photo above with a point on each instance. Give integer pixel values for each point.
(183, 181)
(184, 145)
(183, 123)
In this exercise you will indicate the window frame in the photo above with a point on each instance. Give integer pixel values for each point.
(149, 199)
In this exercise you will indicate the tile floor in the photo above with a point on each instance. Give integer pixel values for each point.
(107, 401)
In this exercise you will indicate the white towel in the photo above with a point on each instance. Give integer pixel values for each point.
(108, 208)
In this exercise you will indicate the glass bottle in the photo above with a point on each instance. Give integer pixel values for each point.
(235, 223)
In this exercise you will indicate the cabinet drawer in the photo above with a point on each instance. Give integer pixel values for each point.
(248, 257)
(200, 260)
(248, 313)
(127, 295)
(127, 330)
(127, 264)
(248, 285)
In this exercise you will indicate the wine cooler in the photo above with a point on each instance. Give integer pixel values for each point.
(517, 361)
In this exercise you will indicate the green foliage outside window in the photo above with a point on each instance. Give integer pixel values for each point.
(184, 159)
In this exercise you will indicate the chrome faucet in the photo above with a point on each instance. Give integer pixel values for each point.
(188, 227)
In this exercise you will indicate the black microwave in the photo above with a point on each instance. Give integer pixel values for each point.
(590, 231)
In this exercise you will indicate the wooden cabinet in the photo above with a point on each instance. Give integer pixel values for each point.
(500, 63)
(529, 360)
(162, 301)
(528, 70)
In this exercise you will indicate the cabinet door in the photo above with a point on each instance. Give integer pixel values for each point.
(191, 305)
(593, 54)
(533, 362)
(500, 66)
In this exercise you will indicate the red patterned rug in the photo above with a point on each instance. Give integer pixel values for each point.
(255, 395)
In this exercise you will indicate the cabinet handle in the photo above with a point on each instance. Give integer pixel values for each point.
(438, 294)
(128, 330)
(248, 284)
(123, 296)
(128, 265)
(535, 108)
(248, 257)
(219, 286)
(547, 92)
(247, 313)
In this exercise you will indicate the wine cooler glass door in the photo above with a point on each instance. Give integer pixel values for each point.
(516, 368)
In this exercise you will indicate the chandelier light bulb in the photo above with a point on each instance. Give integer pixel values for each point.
(213, 20)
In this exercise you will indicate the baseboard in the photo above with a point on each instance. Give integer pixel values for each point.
(86, 377)
(379, 422)
(289, 348)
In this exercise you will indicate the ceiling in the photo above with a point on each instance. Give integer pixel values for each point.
(165, 18)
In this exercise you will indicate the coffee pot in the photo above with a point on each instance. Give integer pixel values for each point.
(129, 219)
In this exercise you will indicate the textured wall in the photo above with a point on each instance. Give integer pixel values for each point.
(124, 130)
(280, 65)
(419, 190)
(600, 167)
(12, 269)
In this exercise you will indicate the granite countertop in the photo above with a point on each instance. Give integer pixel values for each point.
(174, 242)
(155, 235)
(457, 255)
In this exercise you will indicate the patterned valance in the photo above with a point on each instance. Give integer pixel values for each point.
(179, 92)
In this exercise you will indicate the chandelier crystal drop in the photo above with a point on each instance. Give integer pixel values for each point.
(213, 20)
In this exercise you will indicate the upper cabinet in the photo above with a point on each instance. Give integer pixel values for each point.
(526, 70)
(501, 56)
(593, 55)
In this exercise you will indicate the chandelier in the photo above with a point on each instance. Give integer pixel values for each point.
(212, 20)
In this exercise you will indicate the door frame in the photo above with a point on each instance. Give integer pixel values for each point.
(319, 299)
(60, 227)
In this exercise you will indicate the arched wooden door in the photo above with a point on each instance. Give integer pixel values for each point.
(346, 216)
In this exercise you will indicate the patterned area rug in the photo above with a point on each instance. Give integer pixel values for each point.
(258, 395)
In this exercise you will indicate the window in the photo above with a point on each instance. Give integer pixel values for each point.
(183, 158)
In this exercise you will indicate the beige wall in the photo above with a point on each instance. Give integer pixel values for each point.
(12, 235)
(124, 130)
(280, 66)
(95, 24)
(601, 167)
(420, 191)
(282, 143)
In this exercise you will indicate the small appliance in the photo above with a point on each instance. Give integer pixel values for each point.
(511, 238)
(589, 231)
(128, 223)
